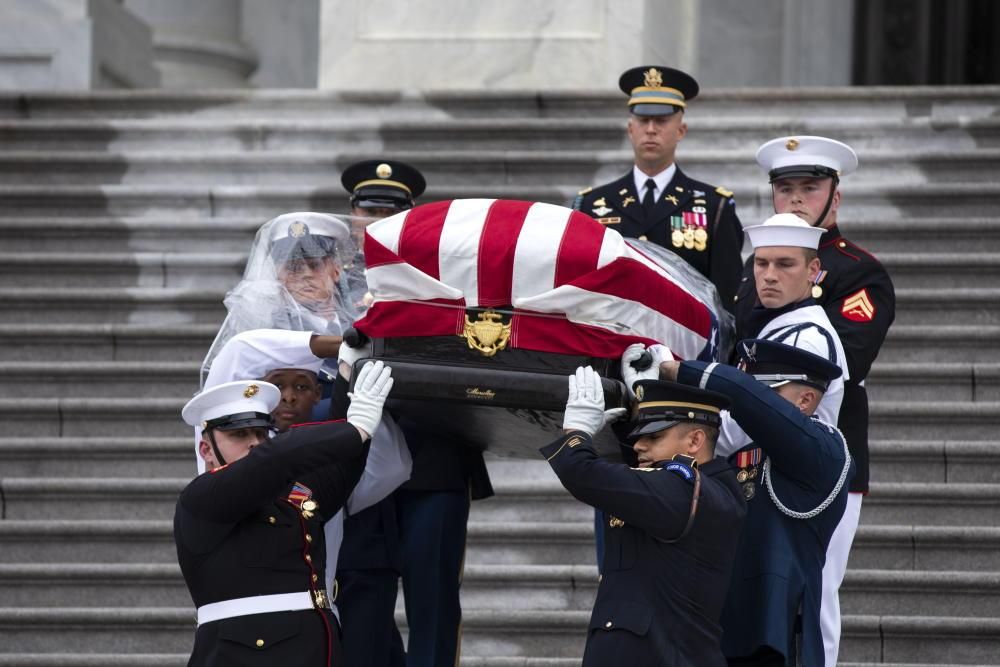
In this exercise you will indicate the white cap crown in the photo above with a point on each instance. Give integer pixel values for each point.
(231, 398)
(784, 229)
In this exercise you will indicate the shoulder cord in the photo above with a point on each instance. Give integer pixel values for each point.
(829, 499)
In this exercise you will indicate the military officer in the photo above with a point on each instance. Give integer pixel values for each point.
(858, 297)
(249, 532)
(656, 201)
(794, 475)
(673, 523)
(391, 541)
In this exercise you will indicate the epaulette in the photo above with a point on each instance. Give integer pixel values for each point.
(585, 190)
(724, 192)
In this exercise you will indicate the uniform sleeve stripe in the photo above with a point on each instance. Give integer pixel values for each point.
(706, 374)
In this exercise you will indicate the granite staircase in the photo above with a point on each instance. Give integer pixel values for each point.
(126, 216)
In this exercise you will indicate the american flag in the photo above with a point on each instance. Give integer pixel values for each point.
(569, 284)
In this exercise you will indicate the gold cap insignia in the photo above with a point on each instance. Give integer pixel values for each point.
(298, 229)
(383, 170)
(652, 78)
(792, 144)
(251, 391)
(488, 334)
(639, 392)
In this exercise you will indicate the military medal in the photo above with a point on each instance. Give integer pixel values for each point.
(301, 497)
(817, 291)
(749, 490)
(747, 461)
(688, 238)
(742, 476)
(677, 235)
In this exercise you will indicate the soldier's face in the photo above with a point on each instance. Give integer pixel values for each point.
(783, 275)
(655, 138)
(806, 198)
(364, 217)
(300, 392)
(310, 280)
(233, 444)
(662, 445)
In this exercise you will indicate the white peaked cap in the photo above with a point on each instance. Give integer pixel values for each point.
(806, 156)
(784, 229)
(231, 398)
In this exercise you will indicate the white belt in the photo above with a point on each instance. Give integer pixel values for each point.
(256, 604)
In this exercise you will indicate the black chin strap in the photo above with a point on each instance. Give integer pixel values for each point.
(215, 447)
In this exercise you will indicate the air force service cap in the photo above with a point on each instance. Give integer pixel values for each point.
(383, 184)
(665, 404)
(776, 364)
(784, 229)
(815, 157)
(657, 91)
(232, 405)
(306, 235)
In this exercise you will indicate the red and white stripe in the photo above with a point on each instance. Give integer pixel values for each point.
(574, 285)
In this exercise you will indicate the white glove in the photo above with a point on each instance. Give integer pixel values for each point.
(630, 375)
(585, 407)
(370, 391)
(347, 356)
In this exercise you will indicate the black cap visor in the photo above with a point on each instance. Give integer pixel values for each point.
(381, 197)
(240, 420)
(306, 247)
(649, 427)
(803, 171)
(654, 109)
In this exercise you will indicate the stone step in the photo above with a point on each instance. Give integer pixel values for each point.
(933, 420)
(923, 503)
(186, 202)
(386, 135)
(131, 379)
(900, 103)
(510, 633)
(112, 305)
(72, 235)
(945, 382)
(924, 547)
(948, 305)
(106, 342)
(122, 269)
(921, 593)
(735, 168)
(951, 343)
(932, 270)
(891, 460)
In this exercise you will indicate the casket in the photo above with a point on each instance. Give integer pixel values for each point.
(483, 308)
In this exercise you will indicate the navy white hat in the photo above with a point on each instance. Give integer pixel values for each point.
(306, 235)
(776, 364)
(806, 156)
(657, 91)
(665, 404)
(232, 405)
(383, 184)
(784, 229)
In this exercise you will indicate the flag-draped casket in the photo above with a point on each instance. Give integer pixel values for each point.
(484, 307)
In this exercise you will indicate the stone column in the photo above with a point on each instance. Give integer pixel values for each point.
(197, 42)
(73, 44)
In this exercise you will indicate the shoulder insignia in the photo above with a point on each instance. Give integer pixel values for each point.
(680, 469)
(585, 190)
(724, 192)
(858, 307)
(574, 441)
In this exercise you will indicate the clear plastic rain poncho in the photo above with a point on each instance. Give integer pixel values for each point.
(304, 273)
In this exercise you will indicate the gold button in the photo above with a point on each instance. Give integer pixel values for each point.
(271, 520)
(309, 538)
(309, 558)
(260, 643)
(608, 624)
(315, 578)
(643, 238)
(842, 244)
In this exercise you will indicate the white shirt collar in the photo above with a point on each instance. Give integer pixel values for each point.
(661, 179)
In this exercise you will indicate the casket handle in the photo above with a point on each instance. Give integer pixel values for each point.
(644, 361)
(355, 338)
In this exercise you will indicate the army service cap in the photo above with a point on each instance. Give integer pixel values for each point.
(776, 364)
(232, 405)
(306, 235)
(784, 229)
(657, 91)
(665, 404)
(383, 184)
(816, 157)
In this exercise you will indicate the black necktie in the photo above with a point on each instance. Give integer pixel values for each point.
(648, 200)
